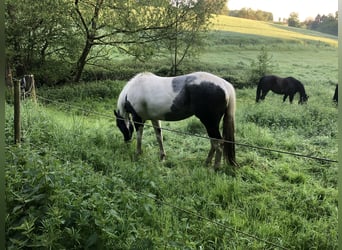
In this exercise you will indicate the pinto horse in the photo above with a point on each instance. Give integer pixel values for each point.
(288, 86)
(155, 98)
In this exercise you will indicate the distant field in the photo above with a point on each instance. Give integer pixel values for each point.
(246, 26)
(234, 43)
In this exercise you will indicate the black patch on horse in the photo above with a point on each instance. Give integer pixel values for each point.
(209, 102)
(179, 82)
(181, 107)
(120, 123)
(136, 118)
(206, 100)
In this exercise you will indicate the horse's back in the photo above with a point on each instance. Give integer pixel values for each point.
(270, 79)
(271, 82)
(214, 80)
(172, 98)
(170, 86)
(292, 81)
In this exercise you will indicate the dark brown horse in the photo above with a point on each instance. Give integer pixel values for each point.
(288, 87)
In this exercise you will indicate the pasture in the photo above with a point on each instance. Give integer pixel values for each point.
(74, 184)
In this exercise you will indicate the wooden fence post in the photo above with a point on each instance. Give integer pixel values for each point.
(33, 91)
(17, 122)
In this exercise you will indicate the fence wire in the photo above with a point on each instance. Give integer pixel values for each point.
(196, 135)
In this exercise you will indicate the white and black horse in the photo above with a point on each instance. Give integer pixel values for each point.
(155, 98)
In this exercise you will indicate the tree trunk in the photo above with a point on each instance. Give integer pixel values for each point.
(77, 72)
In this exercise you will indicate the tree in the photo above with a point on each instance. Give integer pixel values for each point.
(77, 33)
(185, 34)
(327, 24)
(218, 7)
(261, 67)
(249, 13)
(36, 31)
(293, 20)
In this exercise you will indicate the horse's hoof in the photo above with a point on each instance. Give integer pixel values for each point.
(217, 167)
(162, 157)
(236, 165)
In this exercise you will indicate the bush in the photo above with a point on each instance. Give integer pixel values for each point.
(83, 91)
(261, 67)
(51, 73)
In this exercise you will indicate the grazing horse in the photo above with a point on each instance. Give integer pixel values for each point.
(288, 86)
(335, 97)
(155, 98)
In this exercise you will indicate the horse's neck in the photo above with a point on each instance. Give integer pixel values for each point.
(301, 89)
(121, 102)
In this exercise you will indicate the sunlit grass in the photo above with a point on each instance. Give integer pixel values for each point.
(246, 26)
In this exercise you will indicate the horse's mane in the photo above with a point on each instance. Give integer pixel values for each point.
(299, 84)
(301, 87)
(122, 99)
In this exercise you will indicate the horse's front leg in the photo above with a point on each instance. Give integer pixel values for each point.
(291, 98)
(284, 98)
(139, 130)
(159, 135)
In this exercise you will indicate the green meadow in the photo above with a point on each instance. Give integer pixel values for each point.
(74, 184)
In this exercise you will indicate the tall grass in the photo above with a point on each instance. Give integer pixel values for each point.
(74, 184)
(92, 191)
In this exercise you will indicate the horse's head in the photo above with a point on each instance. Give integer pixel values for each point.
(125, 125)
(303, 99)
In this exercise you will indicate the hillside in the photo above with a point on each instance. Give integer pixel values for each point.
(246, 26)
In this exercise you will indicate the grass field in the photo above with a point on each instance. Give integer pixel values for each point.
(266, 29)
(74, 184)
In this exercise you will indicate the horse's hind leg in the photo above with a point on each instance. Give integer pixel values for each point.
(215, 143)
(211, 153)
(159, 135)
(216, 148)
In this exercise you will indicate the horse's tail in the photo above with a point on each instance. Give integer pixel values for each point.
(229, 132)
(258, 92)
